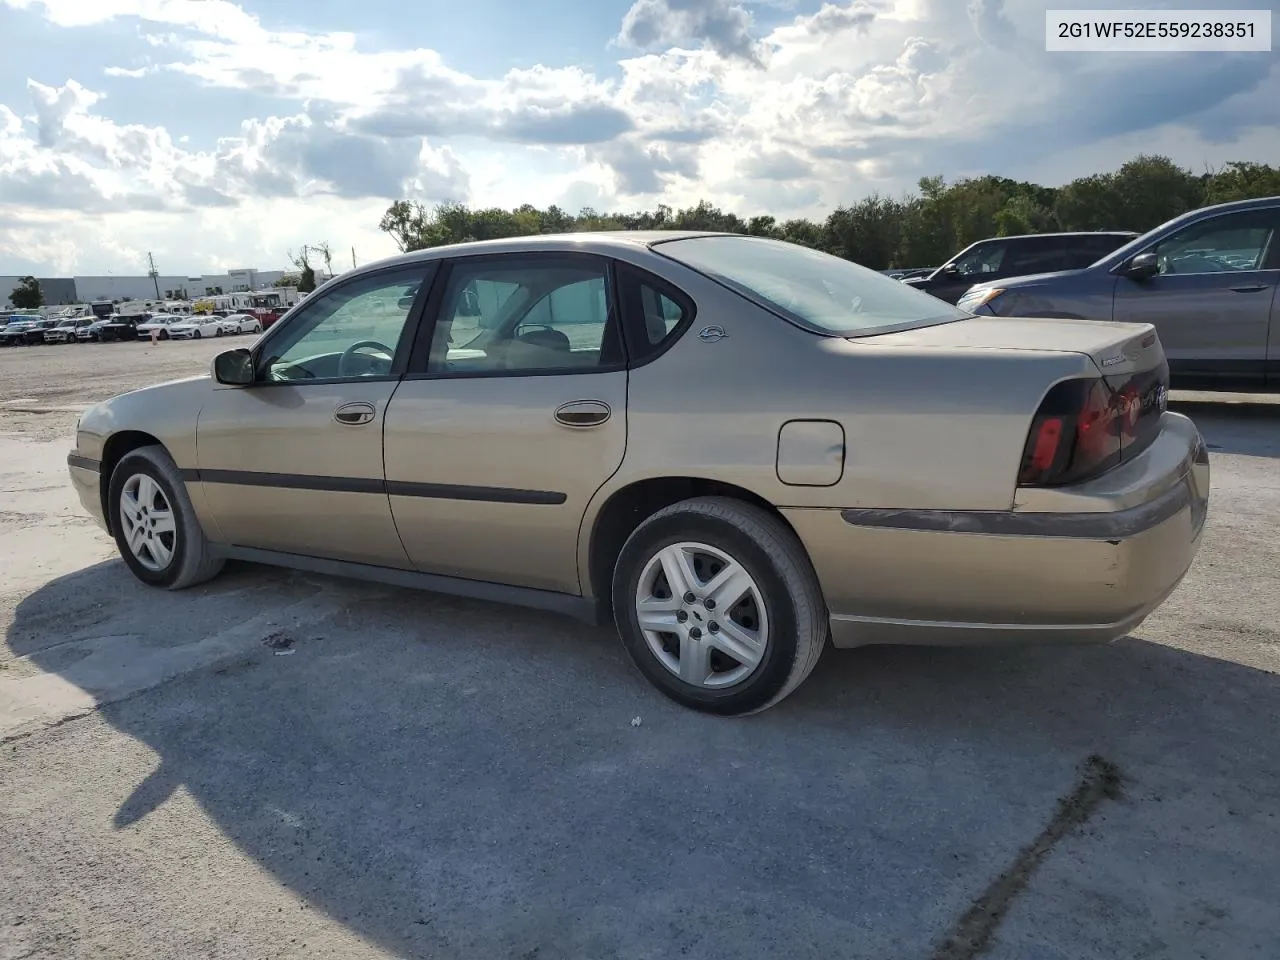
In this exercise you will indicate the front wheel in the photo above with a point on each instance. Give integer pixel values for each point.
(154, 523)
(718, 605)
(217, 331)
(197, 334)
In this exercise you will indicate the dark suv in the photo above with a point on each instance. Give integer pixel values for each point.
(1207, 280)
(999, 257)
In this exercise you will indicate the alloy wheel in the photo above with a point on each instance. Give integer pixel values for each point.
(702, 615)
(147, 521)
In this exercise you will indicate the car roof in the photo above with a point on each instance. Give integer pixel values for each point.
(1066, 233)
(599, 242)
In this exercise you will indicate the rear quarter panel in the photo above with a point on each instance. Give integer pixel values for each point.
(924, 428)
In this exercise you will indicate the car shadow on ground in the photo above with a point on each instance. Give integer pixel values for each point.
(455, 779)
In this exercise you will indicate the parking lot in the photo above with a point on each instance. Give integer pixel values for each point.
(279, 764)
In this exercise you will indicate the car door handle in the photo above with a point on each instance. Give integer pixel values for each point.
(354, 414)
(1253, 288)
(583, 413)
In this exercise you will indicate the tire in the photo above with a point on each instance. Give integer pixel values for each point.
(196, 335)
(217, 331)
(164, 335)
(793, 620)
(190, 560)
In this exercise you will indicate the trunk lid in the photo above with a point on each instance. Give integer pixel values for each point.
(1129, 357)
(1119, 349)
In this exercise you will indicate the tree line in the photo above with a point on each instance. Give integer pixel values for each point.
(916, 230)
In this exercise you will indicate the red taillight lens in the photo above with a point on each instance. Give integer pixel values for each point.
(1047, 439)
(1076, 434)
(1084, 427)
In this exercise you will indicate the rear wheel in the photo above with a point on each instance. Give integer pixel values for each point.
(718, 605)
(155, 525)
(217, 331)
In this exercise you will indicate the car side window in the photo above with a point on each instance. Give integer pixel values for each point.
(1098, 247)
(522, 314)
(1232, 242)
(655, 312)
(351, 331)
(986, 258)
(1037, 255)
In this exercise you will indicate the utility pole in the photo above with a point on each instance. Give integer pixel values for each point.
(353, 258)
(153, 273)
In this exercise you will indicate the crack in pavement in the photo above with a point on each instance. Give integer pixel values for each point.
(973, 932)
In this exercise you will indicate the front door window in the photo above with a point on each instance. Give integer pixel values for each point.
(350, 332)
(1239, 241)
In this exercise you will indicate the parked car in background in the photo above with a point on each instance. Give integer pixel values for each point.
(118, 328)
(26, 332)
(238, 323)
(1016, 256)
(65, 330)
(566, 414)
(1207, 281)
(160, 323)
(197, 326)
(93, 330)
(908, 273)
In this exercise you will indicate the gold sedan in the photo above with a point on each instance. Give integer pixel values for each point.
(733, 448)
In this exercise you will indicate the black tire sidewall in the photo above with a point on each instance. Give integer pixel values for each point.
(772, 674)
(131, 465)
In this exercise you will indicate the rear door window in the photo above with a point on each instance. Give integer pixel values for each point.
(1040, 255)
(655, 312)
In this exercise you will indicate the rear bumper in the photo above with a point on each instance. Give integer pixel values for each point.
(1091, 569)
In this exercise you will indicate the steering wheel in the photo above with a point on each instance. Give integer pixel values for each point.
(346, 361)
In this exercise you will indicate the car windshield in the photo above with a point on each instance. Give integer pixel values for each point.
(819, 292)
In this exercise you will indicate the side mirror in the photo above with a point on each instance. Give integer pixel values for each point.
(951, 270)
(1142, 267)
(234, 368)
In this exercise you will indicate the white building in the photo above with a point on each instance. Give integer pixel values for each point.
(86, 289)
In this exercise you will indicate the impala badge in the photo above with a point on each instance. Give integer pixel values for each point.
(712, 333)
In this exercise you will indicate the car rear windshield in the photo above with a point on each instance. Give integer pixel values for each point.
(814, 290)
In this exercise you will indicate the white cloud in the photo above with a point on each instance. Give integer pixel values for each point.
(857, 96)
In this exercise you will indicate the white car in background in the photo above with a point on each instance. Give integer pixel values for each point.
(197, 326)
(241, 323)
(163, 322)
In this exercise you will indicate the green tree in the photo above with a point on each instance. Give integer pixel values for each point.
(306, 272)
(288, 280)
(27, 295)
(869, 232)
(1239, 180)
(1022, 213)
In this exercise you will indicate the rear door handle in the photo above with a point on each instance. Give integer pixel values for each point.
(1255, 288)
(583, 413)
(354, 414)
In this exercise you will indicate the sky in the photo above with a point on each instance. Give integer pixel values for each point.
(220, 134)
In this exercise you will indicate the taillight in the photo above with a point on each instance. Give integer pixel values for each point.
(1077, 433)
